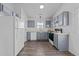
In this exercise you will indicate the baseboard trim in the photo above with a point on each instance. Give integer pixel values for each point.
(72, 53)
(37, 40)
(20, 51)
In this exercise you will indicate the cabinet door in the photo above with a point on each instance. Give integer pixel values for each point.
(56, 40)
(65, 18)
(55, 21)
(28, 35)
(33, 35)
(38, 36)
(41, 36)
(44, 36)
(60, 22)
(63, 43)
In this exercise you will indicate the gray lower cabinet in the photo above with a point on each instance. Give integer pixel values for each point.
(42, 35)
(61, 42)
(39, 35)
(56, 40)
(28, 35)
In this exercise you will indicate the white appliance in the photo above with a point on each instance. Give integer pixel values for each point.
(11, 37)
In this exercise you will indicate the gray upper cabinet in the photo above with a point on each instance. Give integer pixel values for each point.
(65, 18)
(62, 19)
(48, 24)
(56, 21)
(30, 23)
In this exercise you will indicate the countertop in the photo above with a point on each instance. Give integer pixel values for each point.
(59, 33)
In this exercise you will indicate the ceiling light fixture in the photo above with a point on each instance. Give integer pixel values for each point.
(41, 6)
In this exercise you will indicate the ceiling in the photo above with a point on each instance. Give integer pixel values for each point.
(33, 9)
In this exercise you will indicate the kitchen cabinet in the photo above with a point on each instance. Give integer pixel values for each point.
(45, 35)
(42, 35)
(28, 35)
(62, 19)
(65, 18)
(55, 21)
(61, 42)
(31, 35)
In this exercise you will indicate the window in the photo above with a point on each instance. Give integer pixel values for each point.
(31, 23)
(48, 23)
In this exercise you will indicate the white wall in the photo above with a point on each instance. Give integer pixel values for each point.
(73, 28)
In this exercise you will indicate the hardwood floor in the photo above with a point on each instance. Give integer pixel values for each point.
(41, 48)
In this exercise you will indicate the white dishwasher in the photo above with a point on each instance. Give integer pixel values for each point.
(33, 35)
